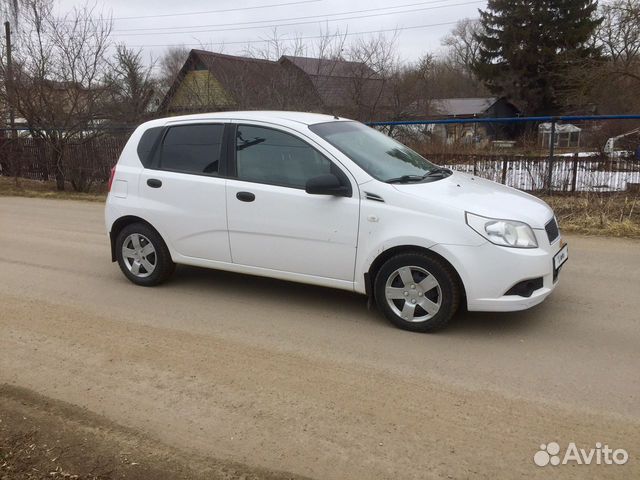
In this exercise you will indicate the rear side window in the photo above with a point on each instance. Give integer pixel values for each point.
(146, 143)
(192, 149)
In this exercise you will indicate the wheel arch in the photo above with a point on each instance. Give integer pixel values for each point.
(370, 275)
(120, 224)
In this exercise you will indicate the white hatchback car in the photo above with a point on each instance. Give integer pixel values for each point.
(316, 199)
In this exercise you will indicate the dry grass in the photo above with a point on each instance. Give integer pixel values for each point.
(32, 188)
(613, 215)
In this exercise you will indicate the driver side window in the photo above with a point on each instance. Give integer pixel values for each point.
(265, 155)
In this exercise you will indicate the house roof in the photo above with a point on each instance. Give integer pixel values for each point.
(331, 83)
(330, 67)
(208, 58)
(463, 106)
(560, 128)
(336, 81)
(240, 75)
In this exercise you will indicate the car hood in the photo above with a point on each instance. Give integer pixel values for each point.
(482, 197)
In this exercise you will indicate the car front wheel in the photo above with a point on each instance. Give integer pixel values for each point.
(417, 292)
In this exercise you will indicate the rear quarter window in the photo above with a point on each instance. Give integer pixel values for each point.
(146, 144)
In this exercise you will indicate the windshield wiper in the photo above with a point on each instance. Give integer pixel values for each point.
(438, 172)
(406, 179)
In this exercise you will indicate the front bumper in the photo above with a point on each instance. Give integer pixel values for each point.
(489, 271)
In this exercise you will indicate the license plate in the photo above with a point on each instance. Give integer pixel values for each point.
(561, 257)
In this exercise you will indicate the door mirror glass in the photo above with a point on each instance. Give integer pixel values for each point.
(327, 184)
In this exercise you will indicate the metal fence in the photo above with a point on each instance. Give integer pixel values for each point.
(85, 163)
(512, 156)
(554, 154)
(569, 173)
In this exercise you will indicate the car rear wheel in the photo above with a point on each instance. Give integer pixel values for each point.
(417, 292)
(143, 256)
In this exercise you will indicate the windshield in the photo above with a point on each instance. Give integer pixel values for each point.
(377, 154)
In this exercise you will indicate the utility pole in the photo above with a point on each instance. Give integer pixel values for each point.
(9, 80)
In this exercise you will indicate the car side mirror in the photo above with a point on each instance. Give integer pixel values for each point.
(328, 184)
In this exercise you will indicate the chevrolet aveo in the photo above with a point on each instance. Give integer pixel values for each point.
(326, 201)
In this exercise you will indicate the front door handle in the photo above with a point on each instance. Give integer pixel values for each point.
(154, 183)
(245, 196)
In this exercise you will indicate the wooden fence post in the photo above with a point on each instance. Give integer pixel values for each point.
(505, 167)
(574, 174)
(552, 146)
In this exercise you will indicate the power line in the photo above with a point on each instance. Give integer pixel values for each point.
(204, 12)
(280, 19)
(304, 23)
(249, 42)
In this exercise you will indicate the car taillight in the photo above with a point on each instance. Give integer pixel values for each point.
(113, 174)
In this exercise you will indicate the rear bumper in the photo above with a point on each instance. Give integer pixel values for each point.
(488, 272)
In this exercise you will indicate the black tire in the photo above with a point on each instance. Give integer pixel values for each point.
(161, 257)
(446, 294)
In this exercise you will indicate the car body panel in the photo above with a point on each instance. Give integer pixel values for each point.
(482, 197)
(191, 210)
(288, 229)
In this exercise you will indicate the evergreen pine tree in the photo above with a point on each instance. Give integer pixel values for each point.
(527, 48)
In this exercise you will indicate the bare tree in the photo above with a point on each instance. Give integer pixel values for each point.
(619, 37)
(608, 84)
(374, 61)
(619, 32)
(405, 90)
(462, 45)
(131, 86)
(275, 45)
(452, 74)
(170, 64)
(11, 9)
(58, 86)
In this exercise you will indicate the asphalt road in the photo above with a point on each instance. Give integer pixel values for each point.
(305, 380)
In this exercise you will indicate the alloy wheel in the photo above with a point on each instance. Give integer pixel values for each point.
(413, 294)
(139, 255)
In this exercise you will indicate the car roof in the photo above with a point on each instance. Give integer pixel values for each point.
(304, 118)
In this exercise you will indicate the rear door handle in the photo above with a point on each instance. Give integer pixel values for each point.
(245, 196)
(154, 183)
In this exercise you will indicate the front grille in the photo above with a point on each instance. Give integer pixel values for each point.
(552, 230)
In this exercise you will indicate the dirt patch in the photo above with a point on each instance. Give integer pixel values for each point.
(44, 438)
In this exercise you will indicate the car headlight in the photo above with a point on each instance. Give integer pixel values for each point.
(507, 233)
